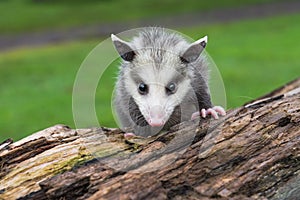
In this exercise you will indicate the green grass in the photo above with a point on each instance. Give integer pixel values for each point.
(253, 56)
(28, 15)
(36, 87)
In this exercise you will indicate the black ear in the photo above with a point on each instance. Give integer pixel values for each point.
(123, 48)
(194, 50)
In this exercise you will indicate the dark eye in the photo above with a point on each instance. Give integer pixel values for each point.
(143, 89)
(171, 88)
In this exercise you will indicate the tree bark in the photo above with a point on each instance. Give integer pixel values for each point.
(252, 153)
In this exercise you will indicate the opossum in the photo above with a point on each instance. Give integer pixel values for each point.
(162, 81)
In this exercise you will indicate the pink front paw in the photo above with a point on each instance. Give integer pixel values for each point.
(129, 135)
(214, 112)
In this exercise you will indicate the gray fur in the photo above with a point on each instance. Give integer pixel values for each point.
(157, 52)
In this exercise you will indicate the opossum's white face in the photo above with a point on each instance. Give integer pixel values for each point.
(156, 76)
(157, 88)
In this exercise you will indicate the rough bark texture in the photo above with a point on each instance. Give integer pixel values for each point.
(252, 153)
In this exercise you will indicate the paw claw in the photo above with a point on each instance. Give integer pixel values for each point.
(215, 112)
(212, 112)
(220, 110)
(203, 113)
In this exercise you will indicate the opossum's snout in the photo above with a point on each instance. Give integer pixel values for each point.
(157, 116)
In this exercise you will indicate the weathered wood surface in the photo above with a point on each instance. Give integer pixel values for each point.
(252, 153)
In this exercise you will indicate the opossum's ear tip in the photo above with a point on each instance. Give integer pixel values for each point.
(202, 41)
(123, 48)
(114, 37)
(205, 38)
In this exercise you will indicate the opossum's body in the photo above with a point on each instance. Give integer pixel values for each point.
(163, 80)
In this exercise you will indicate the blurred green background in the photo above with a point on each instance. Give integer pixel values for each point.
(254, 55)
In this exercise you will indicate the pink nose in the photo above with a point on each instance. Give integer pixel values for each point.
(156, 122)
(157, 115)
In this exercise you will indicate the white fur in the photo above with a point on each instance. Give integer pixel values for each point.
(157, 79)
(157, 62)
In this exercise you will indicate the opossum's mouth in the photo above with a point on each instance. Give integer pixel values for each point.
(156, 122)
(156, 116)
(146, 120)
(166, 121)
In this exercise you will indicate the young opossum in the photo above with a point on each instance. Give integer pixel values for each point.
(162, 81)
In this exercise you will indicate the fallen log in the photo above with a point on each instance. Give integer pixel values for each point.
(252, 153)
